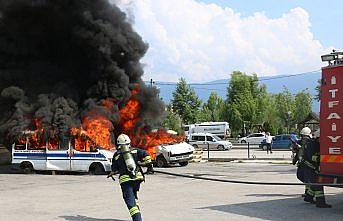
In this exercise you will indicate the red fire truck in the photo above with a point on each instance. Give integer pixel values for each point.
(331, 124)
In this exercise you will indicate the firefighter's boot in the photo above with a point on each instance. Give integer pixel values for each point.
(320, 203)
(308, 198)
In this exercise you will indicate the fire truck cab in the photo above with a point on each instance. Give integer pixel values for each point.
(98, 161)
(331, 124)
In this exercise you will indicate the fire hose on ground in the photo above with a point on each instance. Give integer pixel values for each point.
(246, 182)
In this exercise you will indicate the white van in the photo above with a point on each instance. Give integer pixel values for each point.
(29, 159)
(206, 140)
(220, 129)
(168, 154)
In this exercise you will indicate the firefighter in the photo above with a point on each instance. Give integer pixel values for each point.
(308, 165)
(127, 161)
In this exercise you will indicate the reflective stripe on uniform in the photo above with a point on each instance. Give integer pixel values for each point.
(309, 164)
(125, 178)
(319, 193)
(307, 187)
(116, 157)
(134, 210)
(310, 192)
(315, 158)
(147, 159)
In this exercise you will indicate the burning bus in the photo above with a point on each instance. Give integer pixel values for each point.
(74, 81)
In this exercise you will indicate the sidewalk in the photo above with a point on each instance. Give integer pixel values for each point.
(254, 154)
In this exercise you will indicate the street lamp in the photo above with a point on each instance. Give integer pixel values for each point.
(289, 120)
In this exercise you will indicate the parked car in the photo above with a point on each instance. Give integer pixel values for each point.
(205, 139)
(279, 142)
(255, 138)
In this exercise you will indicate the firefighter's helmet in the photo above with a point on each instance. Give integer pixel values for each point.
(306, 132)
(123, 139)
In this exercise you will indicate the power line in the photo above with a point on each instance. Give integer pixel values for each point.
(208, 89)
(225, 83)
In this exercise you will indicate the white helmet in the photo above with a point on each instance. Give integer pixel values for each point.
(123, 139)
(306, 132)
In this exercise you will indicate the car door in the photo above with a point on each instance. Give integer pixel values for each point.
(202, 141)
(286, 142)
(195, 141)
(276, 142)
(251, 138)
(210, 141)
(259, 138)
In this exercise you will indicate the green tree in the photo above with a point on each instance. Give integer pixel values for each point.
(303, 105)
(286, 109)
(241, 103)
(212, 109)
(318, 90)
(185, 102)
(172, 120)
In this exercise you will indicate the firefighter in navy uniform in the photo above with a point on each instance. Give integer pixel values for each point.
(308, 167)
(127, 162)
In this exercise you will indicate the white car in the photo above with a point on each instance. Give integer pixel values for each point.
(206, 139)
(180, 153)
(255, 138)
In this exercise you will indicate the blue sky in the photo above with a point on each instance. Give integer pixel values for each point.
(326, 17)
(206, 40)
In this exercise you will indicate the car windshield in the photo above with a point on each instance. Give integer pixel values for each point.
(217, 138)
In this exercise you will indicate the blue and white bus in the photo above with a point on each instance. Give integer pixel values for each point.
(65, 159)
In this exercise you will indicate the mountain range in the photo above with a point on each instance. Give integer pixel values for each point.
(275, 84)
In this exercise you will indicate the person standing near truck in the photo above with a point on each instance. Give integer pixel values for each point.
(308, 165)
(127, 161)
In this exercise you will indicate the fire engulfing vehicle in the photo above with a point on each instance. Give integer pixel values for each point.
(28, 158)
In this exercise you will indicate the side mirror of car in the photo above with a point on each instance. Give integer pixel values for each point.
(273, 138)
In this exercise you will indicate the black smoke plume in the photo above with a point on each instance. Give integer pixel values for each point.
(60, 58)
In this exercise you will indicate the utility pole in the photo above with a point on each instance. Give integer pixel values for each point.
(151, 82)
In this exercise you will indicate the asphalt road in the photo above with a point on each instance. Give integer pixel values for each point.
(167, 198)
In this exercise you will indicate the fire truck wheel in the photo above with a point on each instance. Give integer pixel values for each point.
(161, 162)
(27, 167)
(96, 169)
(183, 164)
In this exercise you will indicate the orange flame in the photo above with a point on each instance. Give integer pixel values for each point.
(97, 129)
(129, 118)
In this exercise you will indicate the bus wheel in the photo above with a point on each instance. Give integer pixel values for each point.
(27, 167)
(96, 169)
